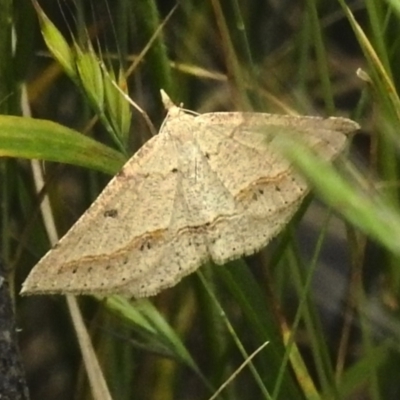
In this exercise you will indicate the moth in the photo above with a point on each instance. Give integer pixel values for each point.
(207, 187)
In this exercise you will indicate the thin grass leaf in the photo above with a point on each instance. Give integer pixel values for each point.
(146, 317)
(252, 301)
(321, 54)
(231, 57)
(47, 140)
(376, 19)
(307, 312)
(373, 214)
(255, 373)
(380, 76)
(157, 56)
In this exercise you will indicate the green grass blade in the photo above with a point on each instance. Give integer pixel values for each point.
(47, 140)
(371, 213)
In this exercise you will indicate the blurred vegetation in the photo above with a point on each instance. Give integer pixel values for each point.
(322, 297)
